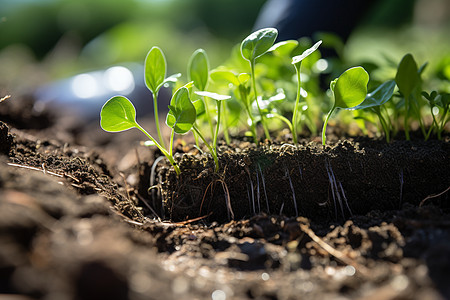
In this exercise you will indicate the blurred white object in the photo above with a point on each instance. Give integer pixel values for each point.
(84, 94)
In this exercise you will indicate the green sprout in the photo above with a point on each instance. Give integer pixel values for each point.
(408, 81)
(349, 90)
(239, 82)
(198, 73)
(297, 62)
(252, 47)
(374, 101)
(118, 114)
(219, 98)
(155, 77)
(440, 103)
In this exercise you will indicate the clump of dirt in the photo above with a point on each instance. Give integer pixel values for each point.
(353, 176)
(6, 139)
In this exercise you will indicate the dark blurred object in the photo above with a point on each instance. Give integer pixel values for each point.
(304, 18)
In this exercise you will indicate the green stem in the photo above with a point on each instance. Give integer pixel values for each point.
(155, 109)
(297, 101)
(244, 97)
(213, 153)
(434, 124)
(225, 125)
(405, 122)
(172, 134)
(285, 120)
(162, 149)
(216, 134)
(443, 122)
(383, 124)
(263, 121)
(196, 140)
(389, 122)
(208, 114)
(325, 125)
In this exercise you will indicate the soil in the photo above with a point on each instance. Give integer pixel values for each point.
(83, 216)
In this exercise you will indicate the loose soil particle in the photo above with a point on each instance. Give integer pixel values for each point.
(73, 227)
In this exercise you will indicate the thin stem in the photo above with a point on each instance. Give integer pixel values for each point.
(244, 97)
(325, 125)
(213, 153)
(434, 124)
(219, 106)
(444, 121)
(196, 140)
(225, 125)
(285, 120)
(297, 101)
(208, 114)
(172, 133)
(155, 109)
(162, 149)
(263, 121)
(383, 123)
(405, 124)
(389, 122)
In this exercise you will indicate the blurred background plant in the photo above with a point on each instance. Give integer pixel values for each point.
(53, 39)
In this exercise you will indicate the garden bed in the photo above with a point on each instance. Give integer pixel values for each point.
(370, 219)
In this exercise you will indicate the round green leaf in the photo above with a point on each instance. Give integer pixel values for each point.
(182, 114)
(155, 69)
(379, 96)
(407, 75)
(118, 114)
(258, 43)
(351, 88)
(198, 69)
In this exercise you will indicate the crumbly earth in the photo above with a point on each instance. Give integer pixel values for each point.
(359, 219)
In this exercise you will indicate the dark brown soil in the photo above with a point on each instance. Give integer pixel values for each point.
(360, 219)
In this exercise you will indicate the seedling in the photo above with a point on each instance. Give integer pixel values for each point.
(219, 99)
(155, 77)
(118, 114)
(198, 73)
(349, 90)
(408, 81)
(252, 47)
(297, 62)
(242, 92)
(373, 102)
(438, 102)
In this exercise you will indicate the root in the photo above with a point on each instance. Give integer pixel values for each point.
(211, 185)
(400, 177)
(152, 185)
(264, 187)
(433, 196)
(337, 195)
(340, 256)
(293, 190)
